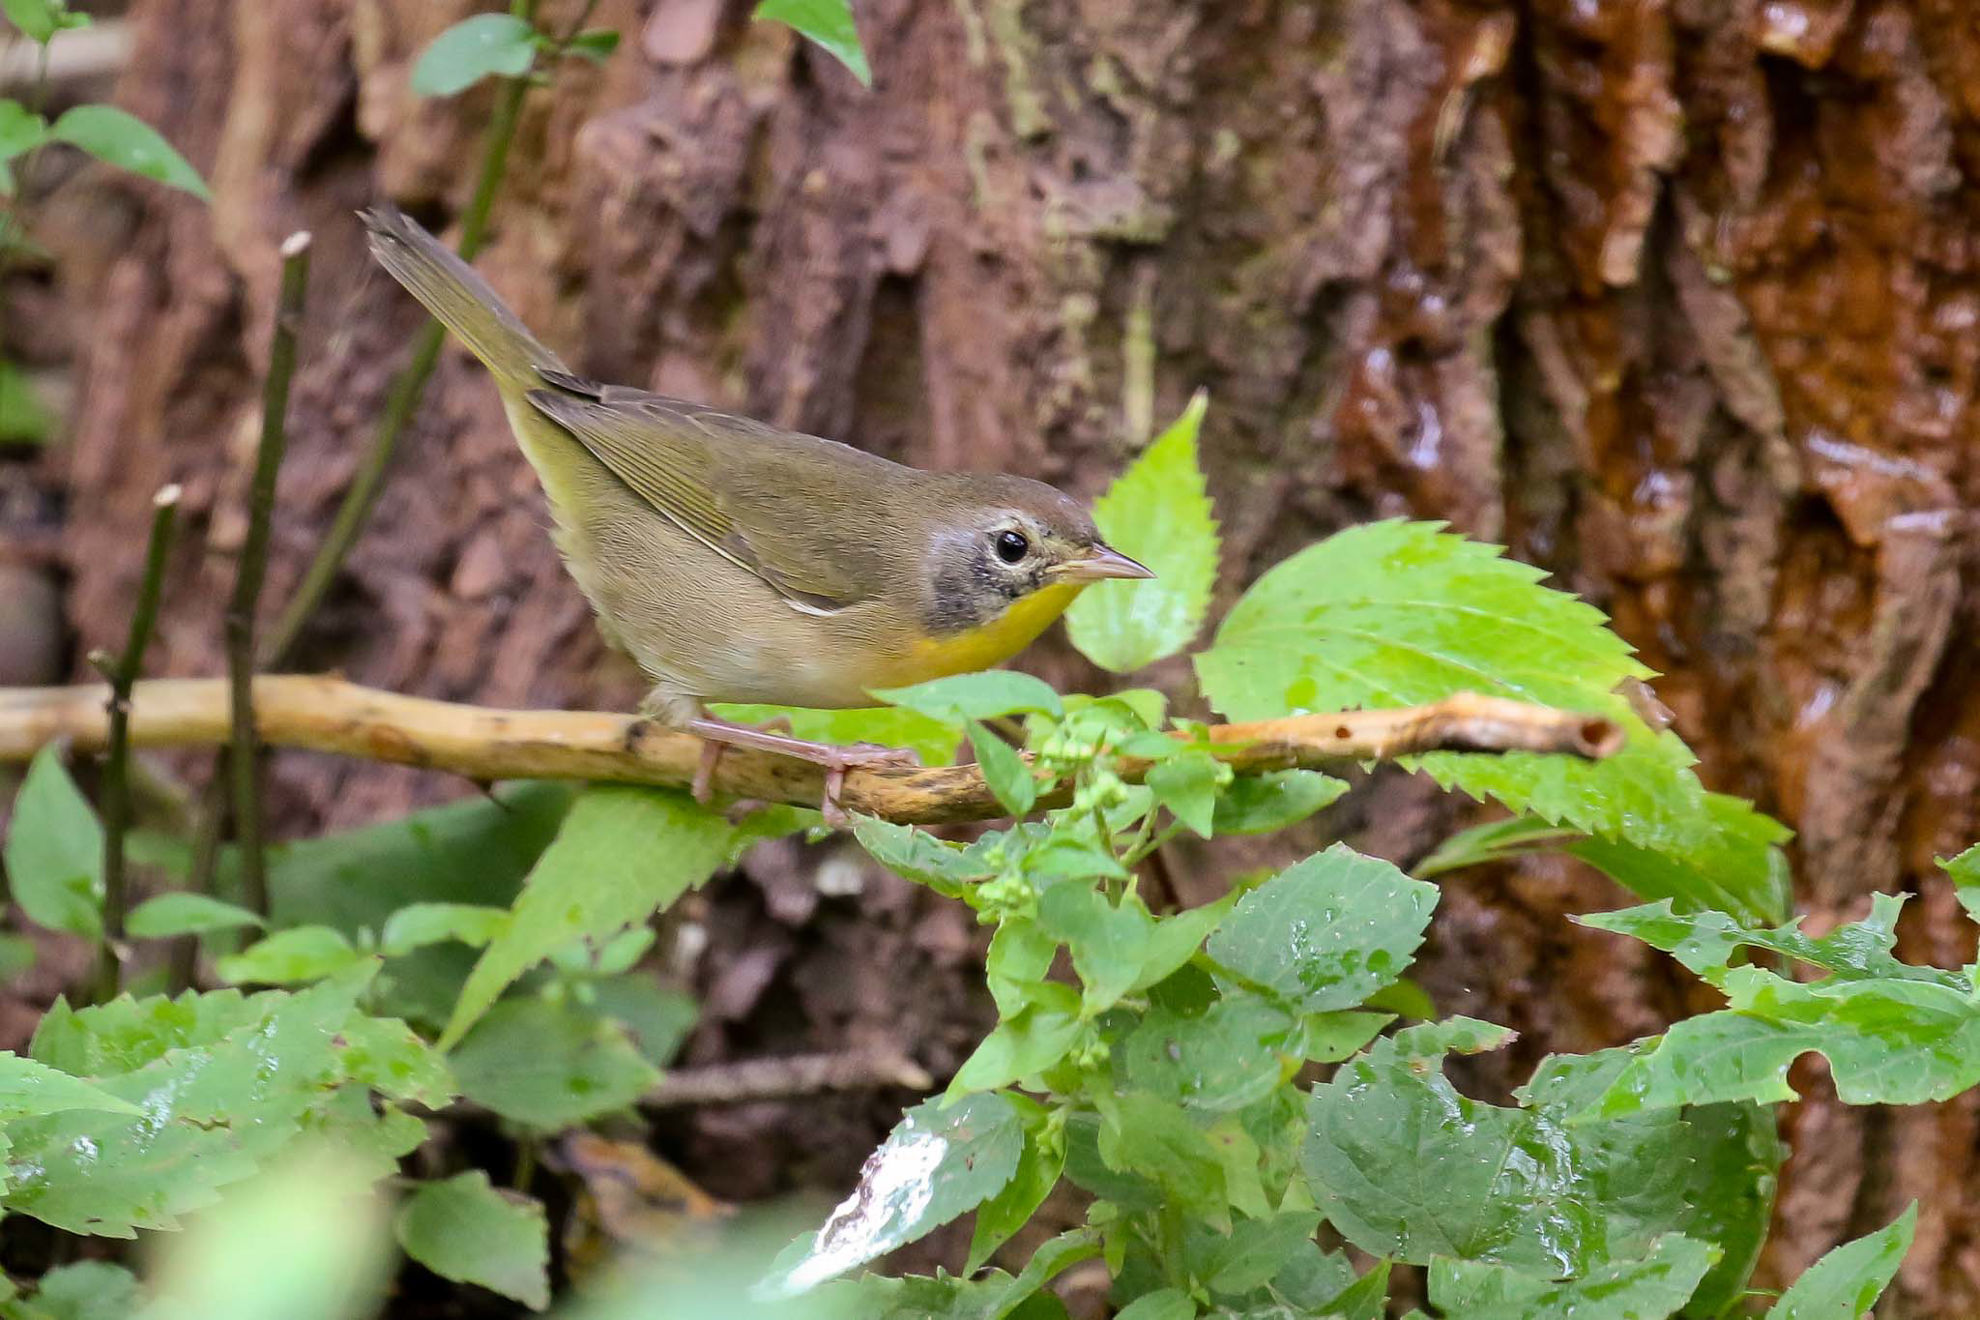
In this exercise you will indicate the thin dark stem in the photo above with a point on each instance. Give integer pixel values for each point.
(253, 568)
(408, 388)
(122, 671)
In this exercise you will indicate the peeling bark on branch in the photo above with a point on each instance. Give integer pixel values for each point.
(331, 715)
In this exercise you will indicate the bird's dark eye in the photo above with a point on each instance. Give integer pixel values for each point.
(1011, 546)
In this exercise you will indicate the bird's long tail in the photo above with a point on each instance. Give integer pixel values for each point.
(458, 298)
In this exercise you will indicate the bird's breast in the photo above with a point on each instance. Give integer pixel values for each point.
(983, 646)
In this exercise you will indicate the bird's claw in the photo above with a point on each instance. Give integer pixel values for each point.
(857, 756)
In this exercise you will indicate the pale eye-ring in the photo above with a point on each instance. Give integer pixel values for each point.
(1011, 546)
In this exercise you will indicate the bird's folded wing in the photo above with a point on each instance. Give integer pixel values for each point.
(749, 492)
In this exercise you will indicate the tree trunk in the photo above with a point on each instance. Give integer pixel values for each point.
(1674, 296)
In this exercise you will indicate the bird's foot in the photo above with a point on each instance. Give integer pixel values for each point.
(716, 735)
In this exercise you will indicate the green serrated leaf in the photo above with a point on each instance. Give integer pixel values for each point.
(984, 696)
(54, 850)
(118, 138)
(1266, 804)
(21, 130)
(1327, 932)
(1887, 1042)
(1964, 872)
(917, 855)
(829, 23)
(549, 1065)
(1187, 785)
(1331, 1037)
(1398, 613)
(1847, 1282)
(1707, 941)
(1108, 941)
(469, 1231)
(1039, 1165)
(290, 957)
(173, 914)
(622, 853)
(1404, 1165)
(941, 1160)
(417, 925)
(1007, 772)
(1365, 1299)
(29, 1088)
(933, 740)
(1032, 1039)
(1227, 1057)
(1144, 1135)
(1739, 868)
(482, 46)
(1158, 512)
(1647, 1289)
(224, 1082)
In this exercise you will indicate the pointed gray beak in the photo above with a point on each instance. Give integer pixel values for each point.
(1104, 562)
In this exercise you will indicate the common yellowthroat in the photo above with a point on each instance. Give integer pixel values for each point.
(738, 562)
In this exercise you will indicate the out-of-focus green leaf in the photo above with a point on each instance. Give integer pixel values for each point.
(1327, 932)
(290, 957)
(466, 1230)
(417, 925)
(827, 22)
(39, 20)
(21, 130)
(86, 1290)
(550, 1064)
(54, 851)
(983, 696)
(24, 418)
(940, 1161)
(173, 914)
(477, 47)
(658, 1017)
(594, 44)
(1847, 1282)
(933, 740)
(1158, 512)
(308, 1241)
(118, 138)
(622, 852)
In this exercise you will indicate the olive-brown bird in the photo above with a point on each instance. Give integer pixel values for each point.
(738, 562)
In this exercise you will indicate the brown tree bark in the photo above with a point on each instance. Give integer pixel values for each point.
(1675, 296)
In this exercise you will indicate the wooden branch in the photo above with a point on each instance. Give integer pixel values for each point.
(788, 1078)
(330, 715)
